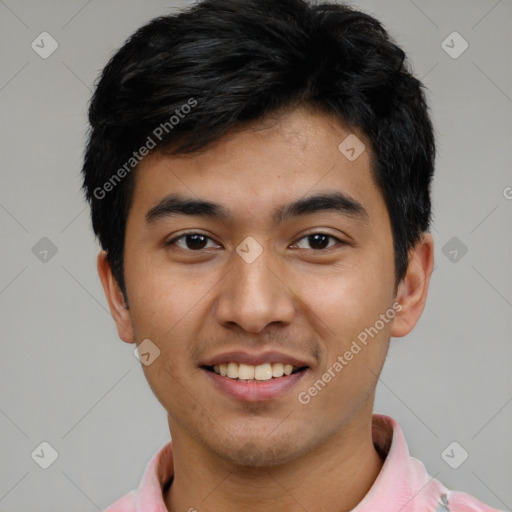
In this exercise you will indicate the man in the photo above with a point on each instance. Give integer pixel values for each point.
(259, 173)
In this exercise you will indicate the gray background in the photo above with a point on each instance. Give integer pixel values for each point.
(67, 379)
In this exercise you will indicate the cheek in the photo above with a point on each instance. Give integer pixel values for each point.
(352, 295)
(354, 341)
(158, 298)
(359, 332)
(346, 307)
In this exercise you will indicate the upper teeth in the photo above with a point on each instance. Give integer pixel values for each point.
(246, 371)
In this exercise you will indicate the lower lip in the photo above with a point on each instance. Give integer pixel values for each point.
(255, 391)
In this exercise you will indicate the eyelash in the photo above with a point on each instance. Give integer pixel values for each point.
(190, 233)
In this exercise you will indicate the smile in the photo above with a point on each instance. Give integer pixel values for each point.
(248, 372)
(260, 383)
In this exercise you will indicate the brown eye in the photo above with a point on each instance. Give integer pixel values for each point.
(319, 241)
(192, 241)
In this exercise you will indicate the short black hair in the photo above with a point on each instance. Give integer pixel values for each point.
(184, 80)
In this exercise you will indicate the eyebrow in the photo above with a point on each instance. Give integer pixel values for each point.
(340, 203)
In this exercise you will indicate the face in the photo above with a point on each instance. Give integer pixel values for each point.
(252, 280)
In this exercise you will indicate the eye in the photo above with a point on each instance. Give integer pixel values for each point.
(319, 240)
(193, 241)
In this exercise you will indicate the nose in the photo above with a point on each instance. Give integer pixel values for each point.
(254, 295)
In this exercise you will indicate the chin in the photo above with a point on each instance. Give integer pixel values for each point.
(259, 453)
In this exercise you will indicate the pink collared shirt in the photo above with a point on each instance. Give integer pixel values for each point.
(403, 484)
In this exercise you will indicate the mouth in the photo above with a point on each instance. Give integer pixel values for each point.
(269, 377)
(254, 373)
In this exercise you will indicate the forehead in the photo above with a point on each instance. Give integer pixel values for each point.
(253, 169)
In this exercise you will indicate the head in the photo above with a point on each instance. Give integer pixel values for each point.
(247, 104)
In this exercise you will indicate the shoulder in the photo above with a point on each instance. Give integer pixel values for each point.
(124, 504)
(456, 501)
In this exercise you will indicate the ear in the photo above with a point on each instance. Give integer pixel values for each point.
(120, 313)
(412, 290)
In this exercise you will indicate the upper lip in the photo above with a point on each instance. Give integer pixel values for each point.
(239, 356)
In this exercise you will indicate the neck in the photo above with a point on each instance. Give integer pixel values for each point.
(333, 477)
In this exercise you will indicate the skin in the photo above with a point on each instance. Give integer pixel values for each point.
(309, 302)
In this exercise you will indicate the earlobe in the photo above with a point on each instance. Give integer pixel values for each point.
(120, 313)
(413, 289)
